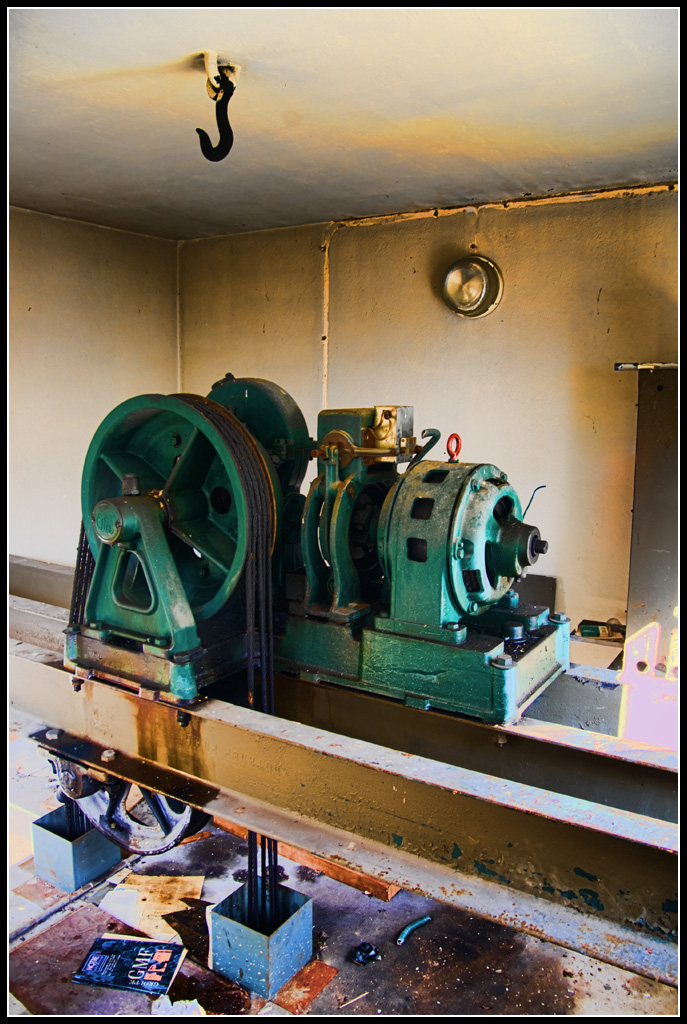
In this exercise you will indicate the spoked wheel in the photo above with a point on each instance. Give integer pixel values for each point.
(137, 819)
(153, 824)
(177, 450)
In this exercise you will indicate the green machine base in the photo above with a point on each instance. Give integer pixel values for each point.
(471, 672)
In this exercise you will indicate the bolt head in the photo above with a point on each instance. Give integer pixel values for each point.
(108, 755)
(502, 661)
(53, 734)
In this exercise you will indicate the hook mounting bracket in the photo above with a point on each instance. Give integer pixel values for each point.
(217, 68)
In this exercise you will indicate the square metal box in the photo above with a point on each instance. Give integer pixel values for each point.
(258, 961)
(70, 863)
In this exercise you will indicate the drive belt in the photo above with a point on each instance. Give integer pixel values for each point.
(260, 527)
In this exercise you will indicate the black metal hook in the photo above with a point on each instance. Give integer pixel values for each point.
(226, 135)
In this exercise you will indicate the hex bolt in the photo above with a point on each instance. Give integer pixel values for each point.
(558, 618)
(108, 755)
(540, 547)
(473, 606)
(76, 684)
(475, 485)
(53, 734)
(502, 661)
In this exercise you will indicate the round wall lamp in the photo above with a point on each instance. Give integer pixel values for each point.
(473, 286)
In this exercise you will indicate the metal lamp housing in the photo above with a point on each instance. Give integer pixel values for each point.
(472, 287)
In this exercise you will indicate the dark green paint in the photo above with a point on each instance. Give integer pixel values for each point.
(585, 874)
(482, 869)
(591, 898)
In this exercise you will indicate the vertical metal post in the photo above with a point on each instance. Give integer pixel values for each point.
(652, 591)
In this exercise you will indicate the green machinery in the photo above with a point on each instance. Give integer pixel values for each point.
(394, 582)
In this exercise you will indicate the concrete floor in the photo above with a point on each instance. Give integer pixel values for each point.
(455, 964)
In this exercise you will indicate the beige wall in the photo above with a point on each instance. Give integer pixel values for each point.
(531, 387)
(92, 322)
(353, 312)
(251, 305)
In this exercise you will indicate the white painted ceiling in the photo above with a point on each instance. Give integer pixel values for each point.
(339, 112)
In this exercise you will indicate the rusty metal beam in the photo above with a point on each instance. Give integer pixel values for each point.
(575, 762)
(594, 878)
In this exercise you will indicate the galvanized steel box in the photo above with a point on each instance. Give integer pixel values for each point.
(70, 863)
(259, 961)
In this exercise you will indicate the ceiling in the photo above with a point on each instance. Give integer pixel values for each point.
(339, 112)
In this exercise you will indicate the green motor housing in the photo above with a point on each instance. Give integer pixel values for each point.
(451, 540)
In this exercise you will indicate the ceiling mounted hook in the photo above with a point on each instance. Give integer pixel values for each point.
(221, 83)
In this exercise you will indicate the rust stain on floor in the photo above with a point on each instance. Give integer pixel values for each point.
(297, 995)
(457, 963)
(42, 894)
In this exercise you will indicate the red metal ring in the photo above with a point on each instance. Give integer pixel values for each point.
(453, 446)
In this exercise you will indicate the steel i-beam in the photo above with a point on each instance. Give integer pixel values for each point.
(591, 877)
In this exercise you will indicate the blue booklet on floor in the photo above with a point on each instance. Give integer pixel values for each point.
(132, 964)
